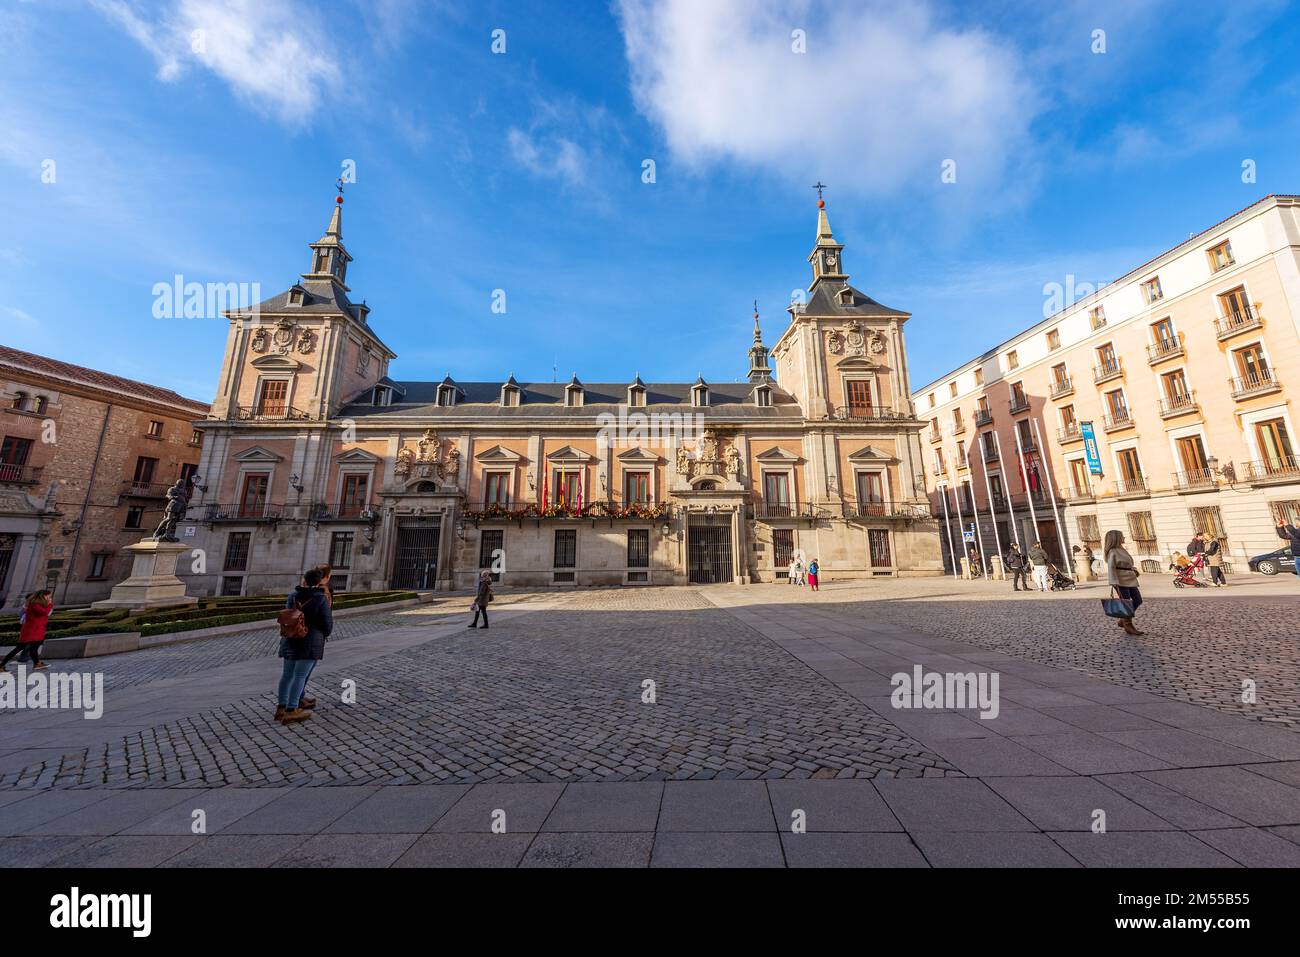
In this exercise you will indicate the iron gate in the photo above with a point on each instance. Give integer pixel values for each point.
(708, 554)
(415, 562)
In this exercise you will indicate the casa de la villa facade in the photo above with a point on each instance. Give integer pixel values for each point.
(314, 452)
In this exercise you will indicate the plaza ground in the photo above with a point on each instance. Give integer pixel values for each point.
(768, 700)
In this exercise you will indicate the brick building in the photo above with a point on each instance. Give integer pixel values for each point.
(314, 453)
(85, 460)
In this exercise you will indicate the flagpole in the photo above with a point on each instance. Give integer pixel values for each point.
(1011, 510)
(947, 527)
(961, 531)
(1060, 528)
(1024, 480)
(979, 532)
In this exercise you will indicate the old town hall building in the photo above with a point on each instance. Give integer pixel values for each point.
(314, 452)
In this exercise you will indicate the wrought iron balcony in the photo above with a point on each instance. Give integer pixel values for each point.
(767, 511)
(1107, 371)
(1195, 480)
(1131, 488)
(269, 412)
(1116, 421)
(847, 413)
(1261, 383)
(342, 512)
(608, 508)
(243, 512)
(990, 453)
(1075, 495)
(1284, 468)
(983, 417)
(1067, 435)
(134, 489)
(936, 435)
(1235, 323)
(1062, 386)
(959, 428)
(1174, 405)
(19, 474)
(998, 502)
(1018, 404)
(1166, 348)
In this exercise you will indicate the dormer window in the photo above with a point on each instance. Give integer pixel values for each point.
(295, 297)
(510, 394)
(383, 395)
(636, 397)
(763, 396)
(573, 396)
(846, 296)
(699, 395)
(446, 395)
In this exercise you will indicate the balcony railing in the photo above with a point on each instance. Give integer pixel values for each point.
(959, 428)
(1072, 494)
(936, 435)
(1166, 348)
(998, 502)
(269, 412)
(611, 508)
(1182, 404)
(1285, 468)
(134, 489)
(1018, 404)
(1261, 383)
(983, 417)
(766, 511)
(19, 474)
(1116, 421)
(963, 462)
(990, 453)
(1131, 487)
(1061, 387)
(1107, 371)
(846, 413)
(1195, 480)
(243, 512)
(1067, 435)
(341, 512)
(1235, 323)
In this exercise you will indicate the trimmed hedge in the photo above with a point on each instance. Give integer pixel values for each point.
(210, 613)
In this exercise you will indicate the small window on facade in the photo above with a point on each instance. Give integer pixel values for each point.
(99, 565)
(1053, 339)
(155, 429)
(1151, 290)
(196, 437)
(636, 397)
(236, 557)
(135, 516)
(1013, 360)
(979, 375)
(931, 398)
(638, 548)
(491, 551)
(566, 548)
(1221, 256)
(341, 550)
(40, 405)
(1098, 317)
(763, 396)
(446, 396)
(952, 390)
(383, 395)
(295, 297)
(573, 397)
(700, 396)
(20, 401)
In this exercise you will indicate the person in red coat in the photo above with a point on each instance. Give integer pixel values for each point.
(36, 613)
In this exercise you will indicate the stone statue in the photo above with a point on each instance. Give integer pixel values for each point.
(404, 459)
(178, 500)
(733, 461)
(683, 461)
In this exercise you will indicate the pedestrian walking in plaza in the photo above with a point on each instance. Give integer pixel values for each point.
(798, 572)
(1039, 557)
(813, 571)
(36, 614)
(325, 570)
(1197, 547)
(304, 625)
(1015, 564)
(1291, 534)
(481, 598)
(792, 573)
(1214, 556)
(1122, 575)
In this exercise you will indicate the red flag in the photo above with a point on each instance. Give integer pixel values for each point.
(545, 483)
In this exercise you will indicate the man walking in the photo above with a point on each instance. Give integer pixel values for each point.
(1015, 563)
(1039, 558)
(1291, 534)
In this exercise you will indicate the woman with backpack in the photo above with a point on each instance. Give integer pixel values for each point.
(36, 614)
(305, 623)
(481, 598)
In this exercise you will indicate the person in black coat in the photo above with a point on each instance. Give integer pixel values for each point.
(1015, 563)
(301, 654)
(1291, 534)
(481, 599)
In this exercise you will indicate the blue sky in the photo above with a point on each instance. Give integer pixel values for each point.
(202, 138)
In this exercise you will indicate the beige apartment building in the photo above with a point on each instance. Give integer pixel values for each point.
(1163, 404)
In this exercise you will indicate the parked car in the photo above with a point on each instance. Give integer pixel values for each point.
(1270, 563)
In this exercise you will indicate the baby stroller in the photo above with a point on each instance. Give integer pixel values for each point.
(1060, 581)
(1185, 575)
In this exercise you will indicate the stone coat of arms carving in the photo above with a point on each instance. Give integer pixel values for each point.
(429, 459)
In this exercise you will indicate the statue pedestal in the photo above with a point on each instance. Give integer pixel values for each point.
(965, 568)
(995, 566)
(153, 580)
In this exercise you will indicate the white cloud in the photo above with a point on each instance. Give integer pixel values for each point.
(18, 316)
(552, 157)
(880, 99)
(272, 53)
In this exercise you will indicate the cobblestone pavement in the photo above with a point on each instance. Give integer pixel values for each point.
(1199, 646)
(554, 697)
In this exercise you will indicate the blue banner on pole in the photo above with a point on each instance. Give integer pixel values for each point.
(1090, 448)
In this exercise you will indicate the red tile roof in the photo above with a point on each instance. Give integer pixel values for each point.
(29, 362)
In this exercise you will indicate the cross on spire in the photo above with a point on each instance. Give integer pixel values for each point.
(819, 186)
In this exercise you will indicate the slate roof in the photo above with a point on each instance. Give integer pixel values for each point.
(29, 362)
(825, 301)
(483, 399)
(322, 296)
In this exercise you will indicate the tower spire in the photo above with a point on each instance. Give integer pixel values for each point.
(758, 368)
(329, 257)
(825, 257)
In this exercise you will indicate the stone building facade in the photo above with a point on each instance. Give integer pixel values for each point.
(314, 452)
(85, 461)
(1159, 405)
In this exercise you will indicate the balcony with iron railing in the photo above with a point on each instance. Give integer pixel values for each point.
(268, 412)
(1114, 421)
(983, 417)
(1018, 404)
(1195, 480)
(242, 512)
(1074, 495)
(1256, 384)
(998, 502)
(341, 512)
(1061, 386)
(1069, 434)
(936, 435)
(1178, 404)
(990, 453)
(607, 508)
(1283, 468)
(1107, 371)
(962, 462)
(1131, 488)
(959, 427)
(1237, 322)
(853, 413)
(133, 489)
(765, 511)
(11, 474)
(1165, 348)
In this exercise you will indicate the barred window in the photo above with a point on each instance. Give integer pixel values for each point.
(566, 548)
(1287, 510)
(782, 547)
(638, 548)
(1089, 532)
(491, 544)
(1142, 528)
(1207, 519)
(341, 550)
(237, 552)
